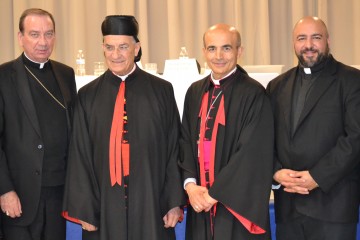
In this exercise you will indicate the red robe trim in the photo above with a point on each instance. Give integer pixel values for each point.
(220, 119)
(201, 156)
(65, 214)
(250, 226)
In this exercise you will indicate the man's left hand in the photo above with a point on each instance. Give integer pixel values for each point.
(172, 217)
(307, 183)
(209, 200)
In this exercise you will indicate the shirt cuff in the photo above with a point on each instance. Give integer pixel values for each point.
(274, 187)
(189, 180)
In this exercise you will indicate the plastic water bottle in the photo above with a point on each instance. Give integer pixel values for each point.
(80, 63)
(183, 53)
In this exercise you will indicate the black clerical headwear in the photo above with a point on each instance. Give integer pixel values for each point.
(121, 25)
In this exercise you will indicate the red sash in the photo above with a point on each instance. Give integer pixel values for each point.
(118, 152)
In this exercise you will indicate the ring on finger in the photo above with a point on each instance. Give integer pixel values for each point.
(7, 213)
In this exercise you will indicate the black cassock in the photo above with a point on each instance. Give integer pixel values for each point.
(243, 159)
(154, 182)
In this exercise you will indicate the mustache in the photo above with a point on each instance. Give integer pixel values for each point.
(311, 49)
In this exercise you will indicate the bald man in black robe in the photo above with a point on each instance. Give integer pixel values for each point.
(227, 147)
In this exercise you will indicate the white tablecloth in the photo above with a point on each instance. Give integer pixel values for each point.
(83, 80)
(263, 78)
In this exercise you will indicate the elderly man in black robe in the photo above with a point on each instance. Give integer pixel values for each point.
(227, 146)
(123, 180)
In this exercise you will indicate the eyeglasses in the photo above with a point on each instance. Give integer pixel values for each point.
(111, 48)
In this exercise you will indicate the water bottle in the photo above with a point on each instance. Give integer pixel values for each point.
(80, 63)
(183, 53)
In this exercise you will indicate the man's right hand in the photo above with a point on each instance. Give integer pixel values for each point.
(88, 227)
(291, 182)
(196, 197)
(10, 204)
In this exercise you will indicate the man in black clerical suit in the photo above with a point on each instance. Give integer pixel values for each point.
(123, 179)
(316, 107)
(36, 100)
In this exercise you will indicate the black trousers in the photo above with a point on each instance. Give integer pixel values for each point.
(307, 228)
(48, 223)
(1, 232)
(90, 235)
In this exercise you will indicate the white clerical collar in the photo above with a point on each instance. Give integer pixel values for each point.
(217, 82)
(307, 70)
(41, 64)
(123, 77)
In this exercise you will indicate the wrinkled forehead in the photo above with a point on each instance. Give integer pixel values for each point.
(220, 37)
(37, 20)
(310, 27)
(118, 39)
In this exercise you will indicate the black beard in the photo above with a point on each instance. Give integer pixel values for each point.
(312, 63)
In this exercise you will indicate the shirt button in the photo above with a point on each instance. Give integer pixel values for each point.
(37, 172)
(40, 146)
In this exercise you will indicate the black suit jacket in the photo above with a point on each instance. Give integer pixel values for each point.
(326, 142)
(21, 154)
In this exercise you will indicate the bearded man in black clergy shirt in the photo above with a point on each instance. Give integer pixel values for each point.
(227, 146)
(317, 121)
(36, 100)
(124, 181)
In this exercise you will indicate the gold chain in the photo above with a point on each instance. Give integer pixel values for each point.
(45, 88)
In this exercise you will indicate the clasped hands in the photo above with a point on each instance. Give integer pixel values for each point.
(300, 182)
(199, 197)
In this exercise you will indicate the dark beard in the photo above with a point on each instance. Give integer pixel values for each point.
(312, 63)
